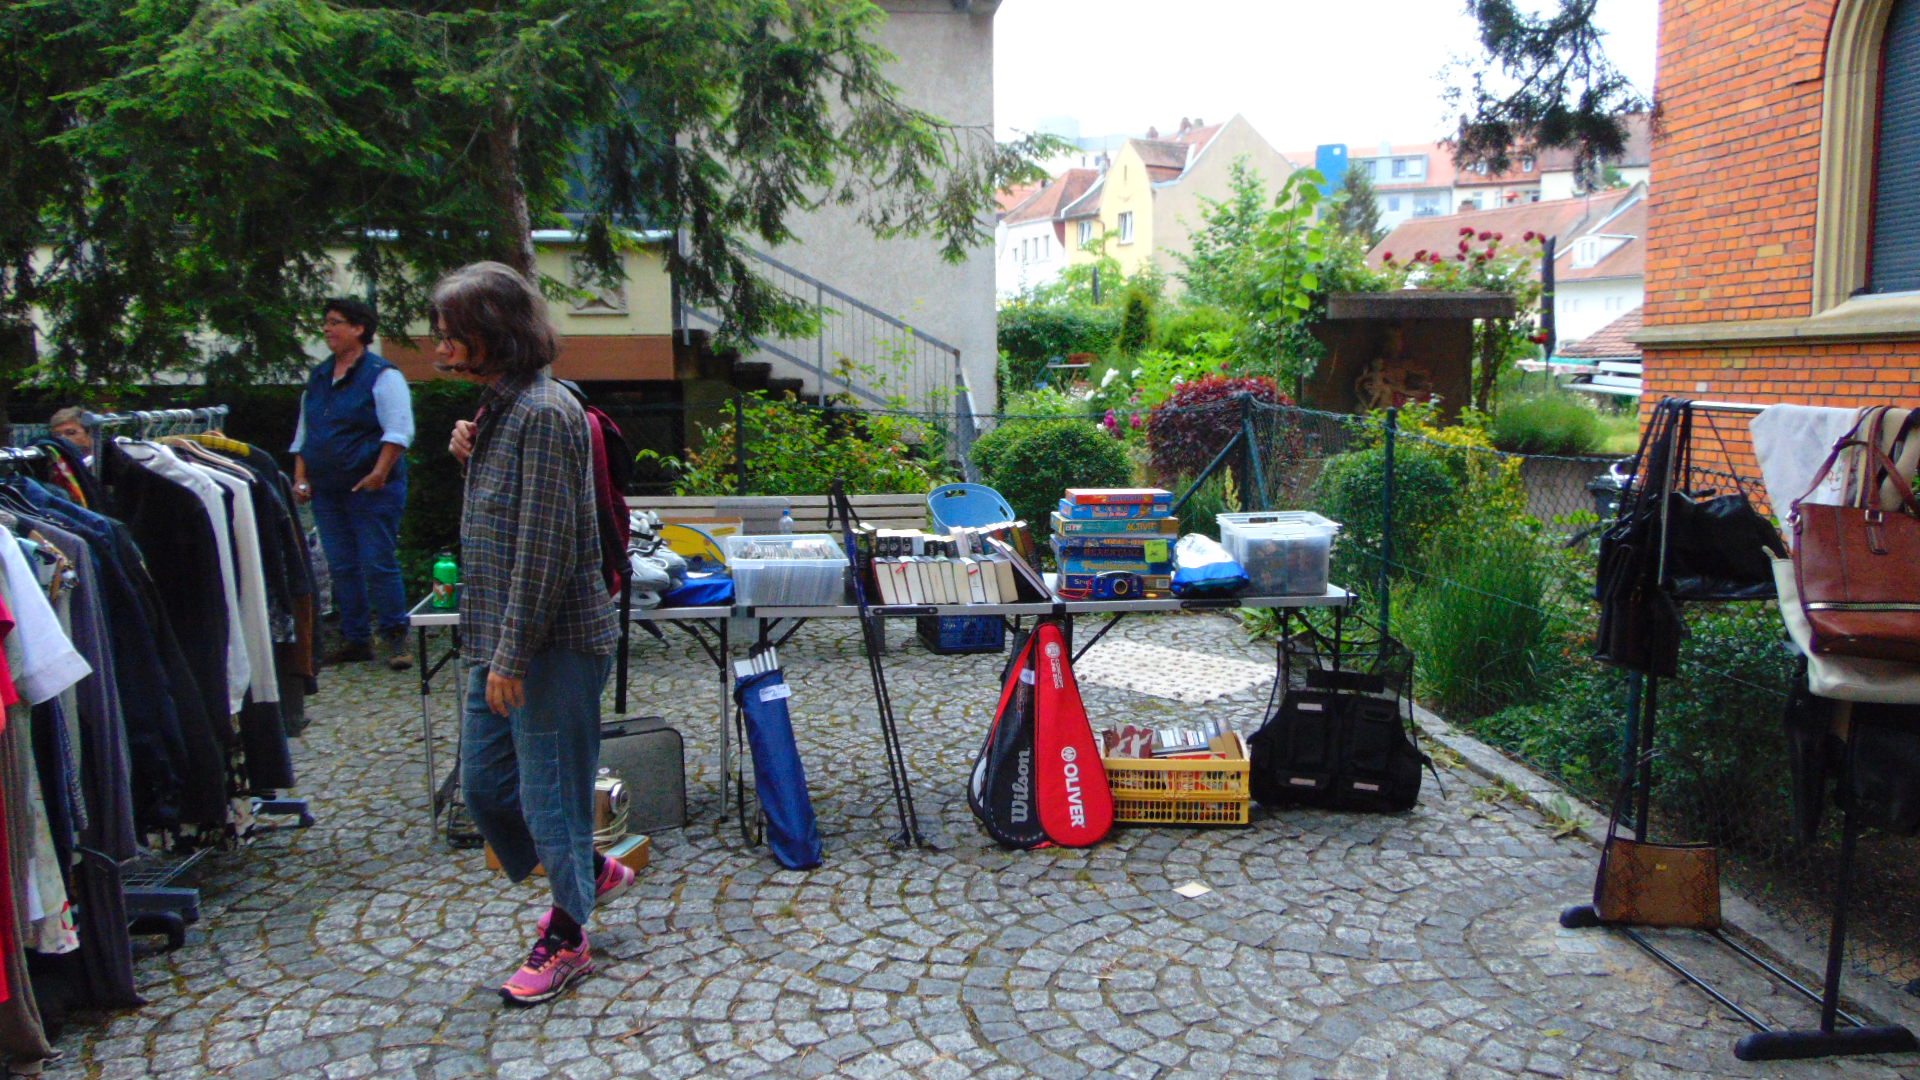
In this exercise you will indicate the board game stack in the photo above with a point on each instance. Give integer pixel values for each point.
(1097, 530)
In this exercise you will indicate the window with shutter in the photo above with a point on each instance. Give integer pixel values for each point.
(1894, 255)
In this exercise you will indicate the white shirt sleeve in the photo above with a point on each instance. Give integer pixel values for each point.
(43, 660)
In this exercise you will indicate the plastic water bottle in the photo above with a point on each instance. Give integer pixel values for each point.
(786, 522)
(446, 575)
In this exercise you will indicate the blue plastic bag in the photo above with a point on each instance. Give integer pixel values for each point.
(1201, 567)
(701, 590)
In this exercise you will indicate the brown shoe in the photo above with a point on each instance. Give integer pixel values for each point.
(399, 657)
(351, 651)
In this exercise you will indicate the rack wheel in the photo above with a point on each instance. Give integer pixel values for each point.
(168, 924)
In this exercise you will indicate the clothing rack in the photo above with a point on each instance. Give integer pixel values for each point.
(175, 421)
(1767, 1043)
(154, 903)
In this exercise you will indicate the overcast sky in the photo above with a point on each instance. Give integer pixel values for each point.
(1303, 73)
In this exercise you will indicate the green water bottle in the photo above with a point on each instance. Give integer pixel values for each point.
(446, 575)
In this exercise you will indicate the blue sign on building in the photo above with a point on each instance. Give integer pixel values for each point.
(1331, 162)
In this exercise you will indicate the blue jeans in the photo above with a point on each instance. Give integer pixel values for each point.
(360, 531)
(528, 776)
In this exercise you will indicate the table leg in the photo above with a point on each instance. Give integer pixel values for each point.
(426, 727)
(722, 627)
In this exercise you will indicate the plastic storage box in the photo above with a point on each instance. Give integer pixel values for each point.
(1284, 552)
(802, 570)
(950, 634)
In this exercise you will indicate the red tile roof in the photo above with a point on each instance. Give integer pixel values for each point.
(1627, 260)
(1613, 341)
(1639, 151)
(1559, 218)
(1011, 197)
(1087, 205)
(1057, 195)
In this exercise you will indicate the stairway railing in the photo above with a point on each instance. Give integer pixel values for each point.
(872, 357)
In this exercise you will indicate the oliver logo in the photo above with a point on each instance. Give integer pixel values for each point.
(1076, 803)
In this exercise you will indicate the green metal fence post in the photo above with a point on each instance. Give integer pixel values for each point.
(1386, 526)
(1256, 475)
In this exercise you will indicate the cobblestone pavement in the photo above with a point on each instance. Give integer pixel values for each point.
(1331, 945)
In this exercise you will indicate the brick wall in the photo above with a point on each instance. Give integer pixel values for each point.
(1732, 205)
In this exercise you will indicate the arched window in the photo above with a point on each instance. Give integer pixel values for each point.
(1867, 229)
(1893, 257)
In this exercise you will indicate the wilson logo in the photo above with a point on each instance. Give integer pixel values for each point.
(1021, 808)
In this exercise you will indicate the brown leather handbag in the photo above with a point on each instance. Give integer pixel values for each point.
(1858, 565)
(1644, 884)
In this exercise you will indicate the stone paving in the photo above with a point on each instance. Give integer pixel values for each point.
(1331, 945)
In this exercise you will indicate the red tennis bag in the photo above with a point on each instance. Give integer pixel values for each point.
(1070, 780)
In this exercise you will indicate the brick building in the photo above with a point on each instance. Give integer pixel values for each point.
(1783, 250)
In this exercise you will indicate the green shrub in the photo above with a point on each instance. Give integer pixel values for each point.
(1186, 327)
(1042, 460)
(1478, 621)
(1426, 493)
(794, 449)
(1219, 495)
(1554, 423)
(1022, 412)
(1136, 321)
(1032, 334)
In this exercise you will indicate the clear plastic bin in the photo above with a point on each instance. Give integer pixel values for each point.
(1284, 553)
(801, 570)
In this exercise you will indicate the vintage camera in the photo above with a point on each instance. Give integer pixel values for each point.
(1119, 585)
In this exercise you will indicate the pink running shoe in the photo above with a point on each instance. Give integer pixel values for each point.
(615, 879)
(549, 970)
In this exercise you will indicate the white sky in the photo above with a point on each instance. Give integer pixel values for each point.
(1303, 73)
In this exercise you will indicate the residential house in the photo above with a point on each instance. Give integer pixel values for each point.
(1801, 282)
(1420, 180)
(1598, 256)
(1153, 195)
(1634, 166)
(1409, 181)
(894, 304)
(1031, 241)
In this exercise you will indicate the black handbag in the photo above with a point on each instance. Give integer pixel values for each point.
(1640, 626)
(1718, 546)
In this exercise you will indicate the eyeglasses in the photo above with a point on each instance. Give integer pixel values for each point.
(334, 322)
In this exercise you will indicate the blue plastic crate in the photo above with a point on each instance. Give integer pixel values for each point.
(949, 634)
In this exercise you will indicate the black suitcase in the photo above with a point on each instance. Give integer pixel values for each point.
(649, 757)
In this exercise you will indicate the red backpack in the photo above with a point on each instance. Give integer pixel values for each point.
(612, 471)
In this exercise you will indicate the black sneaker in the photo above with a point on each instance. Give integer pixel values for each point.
(399, 656)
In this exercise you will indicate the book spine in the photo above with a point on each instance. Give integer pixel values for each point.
(1114, 526)
(1098, 511)
(1116, 496)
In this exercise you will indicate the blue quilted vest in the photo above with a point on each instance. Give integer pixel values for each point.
(343, 428)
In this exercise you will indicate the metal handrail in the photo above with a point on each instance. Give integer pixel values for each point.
(862, 305)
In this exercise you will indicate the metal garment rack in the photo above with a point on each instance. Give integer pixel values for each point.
(154, 903)
(1767, 1043)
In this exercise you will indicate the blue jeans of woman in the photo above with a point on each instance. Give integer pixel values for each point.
(528, 776)
(360, 531)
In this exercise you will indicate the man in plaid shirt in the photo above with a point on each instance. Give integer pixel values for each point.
(534, 614)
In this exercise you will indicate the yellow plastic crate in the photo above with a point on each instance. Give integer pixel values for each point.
(1183, 791)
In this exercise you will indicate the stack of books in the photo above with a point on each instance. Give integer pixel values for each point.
(1096, 530)
(908, 567)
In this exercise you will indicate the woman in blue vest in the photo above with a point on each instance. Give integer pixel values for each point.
(349, 461)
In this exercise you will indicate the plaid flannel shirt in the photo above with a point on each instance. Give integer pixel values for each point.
(528, 532)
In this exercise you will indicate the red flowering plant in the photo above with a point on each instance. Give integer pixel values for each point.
(1485, 262)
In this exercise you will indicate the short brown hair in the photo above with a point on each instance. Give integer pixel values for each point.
(72, 414)
(357, 312)
(494, 311)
